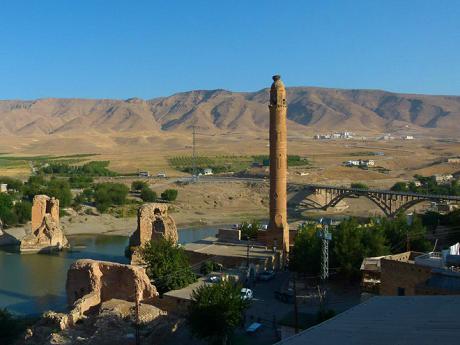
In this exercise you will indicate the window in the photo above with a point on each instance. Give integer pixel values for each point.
(401, 291)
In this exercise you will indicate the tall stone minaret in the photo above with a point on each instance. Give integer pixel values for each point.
(278, 230)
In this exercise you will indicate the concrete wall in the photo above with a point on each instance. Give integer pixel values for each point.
(230, 235)
(397, 273)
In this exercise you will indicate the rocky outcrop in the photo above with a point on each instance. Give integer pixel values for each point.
(46, 233)
(90, 282)
(153, 222)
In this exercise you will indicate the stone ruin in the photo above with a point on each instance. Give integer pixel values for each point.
(153, 222)
(46, 233)
(90, 283)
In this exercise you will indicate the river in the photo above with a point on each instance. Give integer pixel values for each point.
(33, 283)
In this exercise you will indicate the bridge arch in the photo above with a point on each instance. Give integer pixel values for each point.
(386, 209)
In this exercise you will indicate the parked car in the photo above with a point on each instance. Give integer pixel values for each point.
(214, 279)
(246, 294)
(266, 275)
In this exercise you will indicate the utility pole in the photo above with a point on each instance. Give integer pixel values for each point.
(194, 176)
(326, 236)
(296, 309)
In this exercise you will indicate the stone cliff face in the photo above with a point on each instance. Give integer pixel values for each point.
(46, 233)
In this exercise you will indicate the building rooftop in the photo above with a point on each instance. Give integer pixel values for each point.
(212, 246)
(384, 320)
(186, 292)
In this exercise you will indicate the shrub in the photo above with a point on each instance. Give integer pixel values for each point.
(209, 266)
(148, 195)
(359, 185)
(139, 185)
(169, 194)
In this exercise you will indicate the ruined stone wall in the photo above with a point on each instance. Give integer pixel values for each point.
(46, 233)
(153, 222)
(42, 205)
(91, 282)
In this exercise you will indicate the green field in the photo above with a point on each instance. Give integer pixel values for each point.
(229, 163)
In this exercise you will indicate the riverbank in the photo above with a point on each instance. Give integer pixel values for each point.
(106, 224)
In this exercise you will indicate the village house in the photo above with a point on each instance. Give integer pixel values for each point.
(443, 178)
(413, 273)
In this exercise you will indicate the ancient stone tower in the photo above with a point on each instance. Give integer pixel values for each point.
(46, 233)
(278, 230)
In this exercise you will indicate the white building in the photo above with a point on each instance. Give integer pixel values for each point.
(408, 137)
(352, 163)
(3, 188)
(367, 163)
(443, 178)
(207, 171)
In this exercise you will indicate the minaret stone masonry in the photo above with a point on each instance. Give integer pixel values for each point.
(277, 234)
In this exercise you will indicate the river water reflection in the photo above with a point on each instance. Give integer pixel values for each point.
(33, 283)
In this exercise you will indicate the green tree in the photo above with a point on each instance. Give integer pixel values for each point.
(209, 266)
(7, 215)
(12, 183)
(399, 187)
(215, 311)
(23, 211)
(60, 189)
(352, 242)
(359, 185)
(167, 264)
(169, 194)
(398, 232)
(148, 195)
(139, 185)
(109, 194)
(305, 256)
(249, 230)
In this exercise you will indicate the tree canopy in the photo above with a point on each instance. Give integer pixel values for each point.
(167, 264)
(216, 310)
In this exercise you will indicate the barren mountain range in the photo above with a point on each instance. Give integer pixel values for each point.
(320, 109)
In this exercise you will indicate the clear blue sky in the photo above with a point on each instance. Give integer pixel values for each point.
(127, 48)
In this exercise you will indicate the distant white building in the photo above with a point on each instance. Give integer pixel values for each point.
(443, 178)
(3, 188)
(207, 171)
(367, 163)
(408, 137)
(352, 163)
(360, 163)
(143, 174)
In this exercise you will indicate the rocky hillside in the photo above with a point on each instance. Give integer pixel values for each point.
(317, 108)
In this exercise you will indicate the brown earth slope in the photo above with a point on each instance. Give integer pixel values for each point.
(225, 111)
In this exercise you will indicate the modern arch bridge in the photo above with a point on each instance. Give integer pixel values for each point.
(390, 202)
